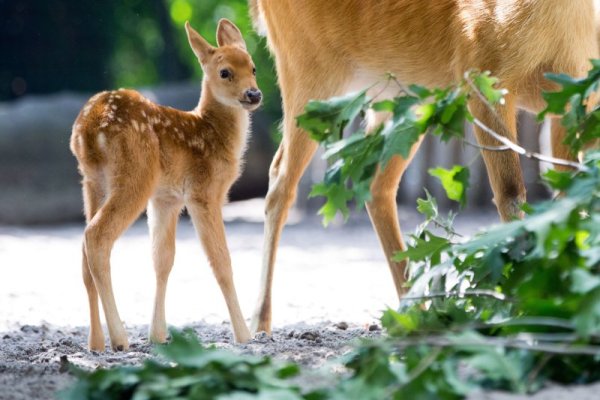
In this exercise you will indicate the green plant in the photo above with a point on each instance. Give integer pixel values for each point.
(187, 370)
(506, 309)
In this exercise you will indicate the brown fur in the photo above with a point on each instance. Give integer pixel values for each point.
(133, 153)
(322, 47)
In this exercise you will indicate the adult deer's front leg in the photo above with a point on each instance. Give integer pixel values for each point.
(294, 153)
(383, 212)
(503, 167)
(208, 222)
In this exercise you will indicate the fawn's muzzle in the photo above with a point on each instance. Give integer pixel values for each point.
(254, 96)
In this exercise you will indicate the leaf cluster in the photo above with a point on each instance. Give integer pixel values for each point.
(188, 370)
(353, 161)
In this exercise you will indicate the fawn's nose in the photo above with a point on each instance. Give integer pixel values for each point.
(254, 96)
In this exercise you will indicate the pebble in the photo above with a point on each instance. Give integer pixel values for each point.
(342, 325)
(308, 335)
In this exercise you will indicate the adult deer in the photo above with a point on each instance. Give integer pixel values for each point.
(327, 48)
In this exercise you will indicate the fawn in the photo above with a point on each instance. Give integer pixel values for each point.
(135, 154)
(325, 49)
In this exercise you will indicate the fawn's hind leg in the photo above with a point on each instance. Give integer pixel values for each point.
(92, 199)
(162, 221)
(208, 222)
(129, 192)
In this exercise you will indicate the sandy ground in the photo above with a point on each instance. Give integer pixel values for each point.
(323, 277)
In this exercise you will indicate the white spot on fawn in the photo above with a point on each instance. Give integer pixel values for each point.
(104, 124)
(102, 141)
(135, 125)
(114, 106)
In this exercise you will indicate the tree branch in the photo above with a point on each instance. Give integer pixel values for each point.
(457, 293)
(513, 146)
(551, 348)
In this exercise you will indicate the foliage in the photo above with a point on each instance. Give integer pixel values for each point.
(506, 309)
(583, 124)
(187, 370)
(415, 111)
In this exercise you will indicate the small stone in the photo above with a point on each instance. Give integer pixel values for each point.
(64, 364)
(342, 325)
(308, 335)
(374, 327)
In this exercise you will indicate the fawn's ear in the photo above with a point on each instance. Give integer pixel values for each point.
(202, 49)
(229, 35)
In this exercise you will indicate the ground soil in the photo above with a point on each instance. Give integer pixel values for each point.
(325, 279)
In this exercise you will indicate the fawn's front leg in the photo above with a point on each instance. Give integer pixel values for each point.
(208, 222)
(162, 221)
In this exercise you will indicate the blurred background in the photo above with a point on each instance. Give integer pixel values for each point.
(56, 53)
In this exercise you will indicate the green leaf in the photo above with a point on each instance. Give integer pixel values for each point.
(487, 86)
(428, 207)
(430, 247)
(337, 196)
(326, 119)
(455, 182)
(587, 319)
(558, 180)
(399, 139)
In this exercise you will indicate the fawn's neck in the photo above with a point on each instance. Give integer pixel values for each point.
(229, 125)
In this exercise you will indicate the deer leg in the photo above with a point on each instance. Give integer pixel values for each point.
(290, 161)
(383, 212)
(125, 203)
(92, 197)
(503, 167)
(162, 221)
(208, 222)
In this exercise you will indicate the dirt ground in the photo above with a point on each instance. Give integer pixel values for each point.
(323, 277)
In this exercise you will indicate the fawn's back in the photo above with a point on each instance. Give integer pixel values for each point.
(122, 131)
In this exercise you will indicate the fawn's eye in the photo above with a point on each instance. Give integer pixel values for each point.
(225, 73)
(253, 70)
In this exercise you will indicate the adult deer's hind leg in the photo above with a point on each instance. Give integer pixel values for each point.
(162, 221)
(318, 81)
(503, 167)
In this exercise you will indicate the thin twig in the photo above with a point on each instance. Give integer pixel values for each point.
(507, 142)
(403, 88)
(529, 154)
(535, 321)
(531, 377)
(488, 148)
(552, 348)
(457, 293)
